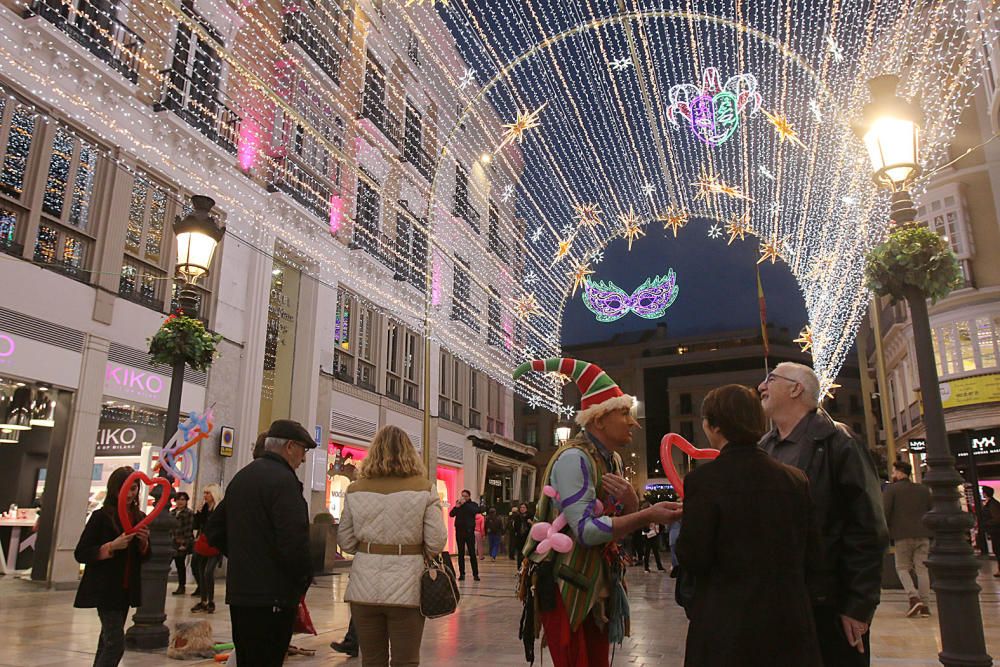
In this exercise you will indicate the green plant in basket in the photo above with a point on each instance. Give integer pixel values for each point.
(912, 258)
(184, 339)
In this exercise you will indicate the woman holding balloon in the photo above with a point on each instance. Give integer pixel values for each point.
(112, 555)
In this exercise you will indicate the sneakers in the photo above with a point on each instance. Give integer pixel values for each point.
(925, 611)
(210, 608)
(916, 608)
(347, 648)
(200, 607)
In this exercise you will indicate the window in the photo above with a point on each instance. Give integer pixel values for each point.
(494, 409)
(967, 346)
(495, 241)
(686, 406)
(343, 350)
(494, 327)
(462, 308)
(475, 417)
(373, 102)
(687, 431)
(412, 47)
(316, 31)
(367, 223)
(531, 437)
(413, 147)
(943, 210)
(393, 381)
(463, 207)
(458, 388)
(19, 126)
(365, 375)
(8, 230)
(143, 276)
(444, 385)
(411, 360)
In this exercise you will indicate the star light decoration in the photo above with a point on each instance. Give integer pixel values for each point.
(587, 215)
(715, 232)
(673, 219)
(621, 64)
(631, 226)
(710, 185)
(507, 194)
(783, 128)
(649, 189)
(563, 249)
(579, 275)
(530, 277)
(765, 172)
(738, 227)
(567, 411)
(805, 339)
(771, 250)
(835, 49)
(537, 234)
(526, 306)
(468, 78)
(525, 121)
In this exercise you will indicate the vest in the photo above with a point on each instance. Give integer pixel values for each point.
(582, 573)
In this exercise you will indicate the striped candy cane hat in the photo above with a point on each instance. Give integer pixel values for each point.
(601, 394)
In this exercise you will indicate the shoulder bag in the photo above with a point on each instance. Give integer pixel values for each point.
(439, 593)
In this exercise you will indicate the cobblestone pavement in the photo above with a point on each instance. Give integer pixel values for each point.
(40, 627)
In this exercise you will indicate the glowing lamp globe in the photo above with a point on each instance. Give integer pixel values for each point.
(198, 236)
(890, 128)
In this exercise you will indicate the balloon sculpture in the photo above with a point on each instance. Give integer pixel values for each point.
(178, 458)
(671, 440)
(549, 535)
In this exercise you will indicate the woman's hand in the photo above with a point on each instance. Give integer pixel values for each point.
(143, 536)
(122, 541)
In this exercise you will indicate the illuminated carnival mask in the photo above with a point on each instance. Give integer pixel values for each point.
(650, 300)
(714, 110)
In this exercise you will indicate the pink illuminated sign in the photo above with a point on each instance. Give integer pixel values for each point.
(132, 381)
(336, 213)
(7, 346)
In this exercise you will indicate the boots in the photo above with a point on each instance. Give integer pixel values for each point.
(179, 591)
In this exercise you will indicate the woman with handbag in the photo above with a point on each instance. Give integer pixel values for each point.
(112, 562)
(392, 520)
(209, 557)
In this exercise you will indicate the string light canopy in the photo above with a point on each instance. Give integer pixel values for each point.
(600, 120)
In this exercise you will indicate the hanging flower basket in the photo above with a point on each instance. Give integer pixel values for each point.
(913, 257)
(184, 339)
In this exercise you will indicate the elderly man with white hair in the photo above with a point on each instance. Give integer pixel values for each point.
(846, 584)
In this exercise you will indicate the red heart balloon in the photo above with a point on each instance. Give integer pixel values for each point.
(671, 440)
(139, 476)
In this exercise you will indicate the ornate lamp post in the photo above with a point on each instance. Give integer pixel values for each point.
(197, 236)
(890, 130)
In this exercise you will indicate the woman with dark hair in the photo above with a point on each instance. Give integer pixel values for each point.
(112, 561)
(748, 539)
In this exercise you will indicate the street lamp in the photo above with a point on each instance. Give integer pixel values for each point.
(197, 235)
(563, 434)
(890, 131)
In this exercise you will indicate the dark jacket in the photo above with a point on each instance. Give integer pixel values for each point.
(262, 526)
(848, 508)
(748, 537)
(905, 505)
(494, 525)
(991, 516)
(202, 516)
(113, 583)
(465, 516)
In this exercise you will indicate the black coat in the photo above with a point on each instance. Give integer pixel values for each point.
(262, 526)
(113, 583)
(465, 517)
(748, 537)
(847, 499)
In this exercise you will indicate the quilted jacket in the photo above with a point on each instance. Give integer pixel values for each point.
(390, 510)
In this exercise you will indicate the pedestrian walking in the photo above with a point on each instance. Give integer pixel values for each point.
(522, 527)
(848, 509)
(209, 556)
(349, 644)
(262, 527)
(464, 512)
(510, 529)
(391, 520)
(652, 537)
(494, 531)
(751, 605)
(481, 535)
(112, 561)
(183, 536)
(991, 515)
(905, 505)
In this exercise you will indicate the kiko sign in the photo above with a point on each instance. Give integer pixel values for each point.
(126, 382)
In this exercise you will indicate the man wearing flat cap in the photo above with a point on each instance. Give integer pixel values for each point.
(262, 526)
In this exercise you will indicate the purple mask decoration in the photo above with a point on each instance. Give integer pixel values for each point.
(650, 300)
(714, 110)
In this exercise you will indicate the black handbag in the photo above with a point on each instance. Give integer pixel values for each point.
(439, 593)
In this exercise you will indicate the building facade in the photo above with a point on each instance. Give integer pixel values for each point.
(670, 377)
(363, 219)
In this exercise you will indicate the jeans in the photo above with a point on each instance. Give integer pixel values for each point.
(180, 562)
(911, 555)
(467, 542)
(197, 563)
(111, 645)
(382, 629)
(261, 634)
(494, 545)
(207, 582)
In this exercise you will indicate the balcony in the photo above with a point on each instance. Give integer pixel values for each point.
(463, 209)
(68, 269)
(299, 28)
(209, 116)
(415, 154)
(376, 244)
(10, 247)
(141, 297)
(104, 36)
(293, 176)
(374, 109)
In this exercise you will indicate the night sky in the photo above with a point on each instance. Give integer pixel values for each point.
(718, 290)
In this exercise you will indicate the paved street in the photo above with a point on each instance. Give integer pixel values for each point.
(39, 627)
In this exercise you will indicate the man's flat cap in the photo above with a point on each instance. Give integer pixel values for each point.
(287, 429)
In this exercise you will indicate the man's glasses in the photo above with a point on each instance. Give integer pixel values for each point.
(771, 377)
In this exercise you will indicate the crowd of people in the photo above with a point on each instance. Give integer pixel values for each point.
(815, 493)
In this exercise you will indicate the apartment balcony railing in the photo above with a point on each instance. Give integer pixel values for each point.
(374, 109)
(104, 36)
(68, 269)
(10, 247)
(300, 29)
(141, 297)
(209, 116)
(376, 244)
(415, 154)
(290, 174)
(463, 209)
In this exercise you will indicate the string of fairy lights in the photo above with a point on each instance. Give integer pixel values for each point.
(543, 131)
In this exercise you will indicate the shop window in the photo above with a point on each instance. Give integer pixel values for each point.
(987, 342)
(20, 122)
(965, 347)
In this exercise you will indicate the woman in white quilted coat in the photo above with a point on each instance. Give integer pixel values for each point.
(392, 516)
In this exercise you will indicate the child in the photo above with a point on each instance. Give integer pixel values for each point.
(112, 561)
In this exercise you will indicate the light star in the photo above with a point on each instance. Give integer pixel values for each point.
(776, 208)
(771, 250)
(715, 232)
(830, 385)
(567, 230)
(631, 226)
(524, 122)
(508, 192)
(567, 411)
(849, 201)
(711, 184)
(783, 128)
(536, 235)
(526, 306)
(673, 219)
(766, 173)
(814, 108)
(621, 64)
(579, 275)
(821, 266)
(738, 227)
(805, 339)
(587, 215)
(649, 189)
(834, 49)
(468, 79)
(534, 402)
(598, 257)
(530, 277)
(563, 249)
